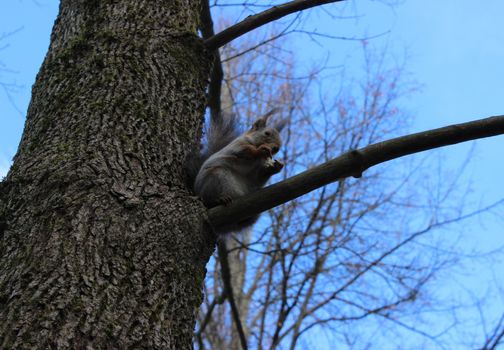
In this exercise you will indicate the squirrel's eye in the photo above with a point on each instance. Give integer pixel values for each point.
(267, 133)
(274, 149)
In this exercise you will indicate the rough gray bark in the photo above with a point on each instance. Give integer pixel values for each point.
(101, 243)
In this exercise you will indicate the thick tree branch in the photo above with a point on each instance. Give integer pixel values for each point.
(257, 20)
(352, 163)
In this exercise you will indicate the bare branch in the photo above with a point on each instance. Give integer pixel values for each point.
(208, 316)
(262, 18)
(497, 336)
(228, 291)
(352, 163)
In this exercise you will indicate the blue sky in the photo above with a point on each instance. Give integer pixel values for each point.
(455, 50)
(21, 54)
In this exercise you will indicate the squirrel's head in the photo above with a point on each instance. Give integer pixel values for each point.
(261, 134)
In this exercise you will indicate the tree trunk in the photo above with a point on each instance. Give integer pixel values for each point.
(101, 244)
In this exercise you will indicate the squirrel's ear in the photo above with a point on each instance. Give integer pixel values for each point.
(280, 124)
(270, 113)
(261, 122)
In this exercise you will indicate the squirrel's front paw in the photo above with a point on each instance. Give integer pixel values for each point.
(265, 151)
(272, 166)
(277, 166)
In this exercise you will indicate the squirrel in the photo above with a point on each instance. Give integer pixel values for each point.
(235, 165)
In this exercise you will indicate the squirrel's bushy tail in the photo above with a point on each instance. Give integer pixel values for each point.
(220, 132)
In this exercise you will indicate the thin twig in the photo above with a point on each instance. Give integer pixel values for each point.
(208, 316)
(252, 22)
(228, 291)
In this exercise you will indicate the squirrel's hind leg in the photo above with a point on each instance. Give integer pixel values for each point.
(219, 186)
